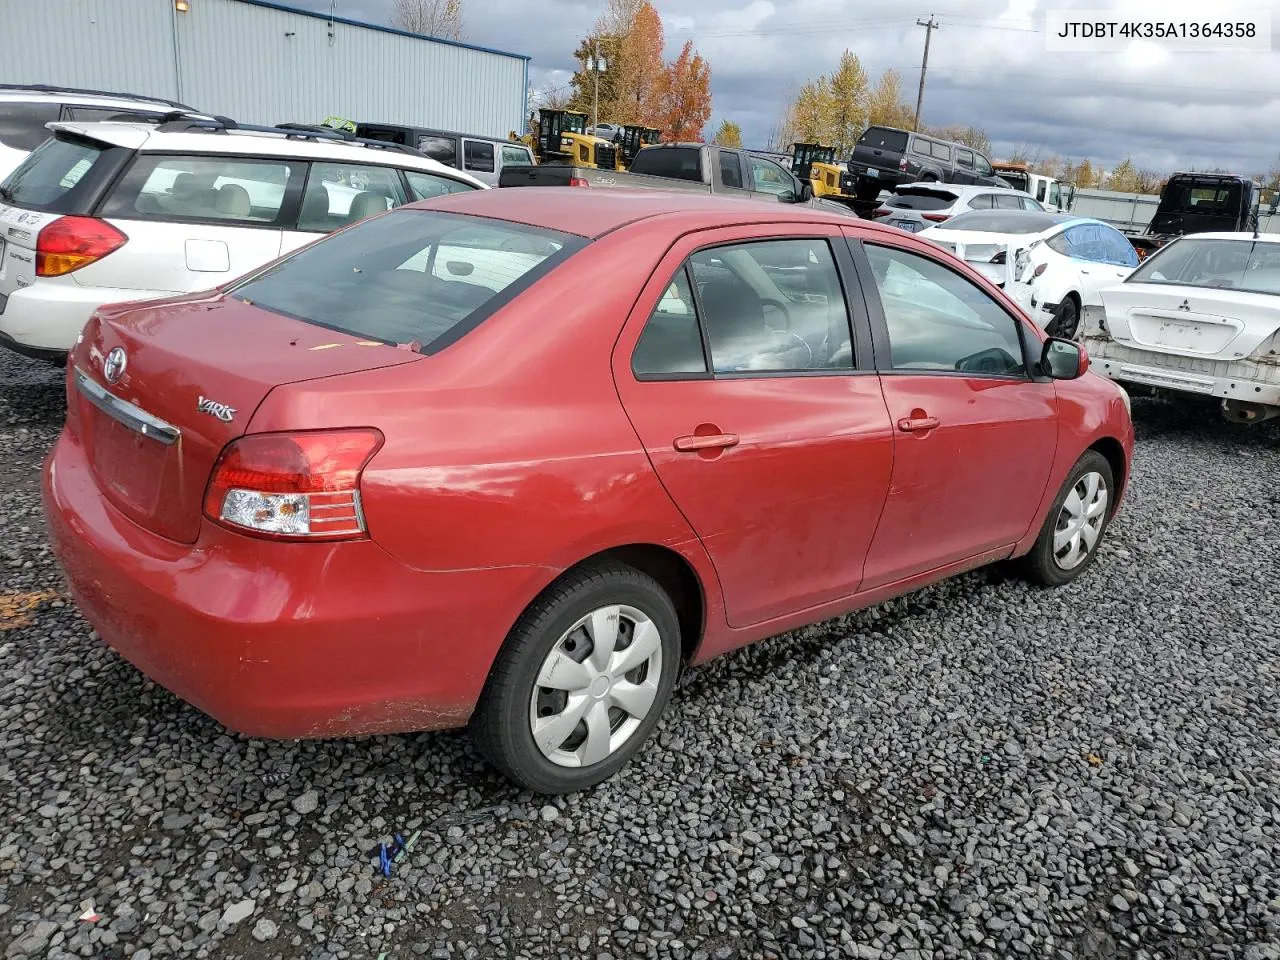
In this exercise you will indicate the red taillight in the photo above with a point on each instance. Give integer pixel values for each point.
(902, 164)
(294, 486)
(1039, 270)
(70, 243)
(936, 217)
(579, 182)
(881, 212)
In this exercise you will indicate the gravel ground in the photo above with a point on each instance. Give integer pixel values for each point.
(979, 770)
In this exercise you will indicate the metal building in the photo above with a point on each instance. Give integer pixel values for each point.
(261, 62)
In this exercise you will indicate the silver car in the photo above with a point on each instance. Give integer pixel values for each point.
(916, 206)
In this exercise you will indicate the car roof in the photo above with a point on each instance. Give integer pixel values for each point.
(1043, 221)
(438, 132)
(84, 98)
(961, 188)
(145, 137)
(592, 213)
(1241, 236)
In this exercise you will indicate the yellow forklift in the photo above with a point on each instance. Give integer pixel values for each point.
(817, 164)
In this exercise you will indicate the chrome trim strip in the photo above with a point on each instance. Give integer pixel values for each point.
(133, 417)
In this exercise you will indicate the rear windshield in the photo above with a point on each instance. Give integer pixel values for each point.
(882, 139)
(1247, 265)
(681, 163)
(923, 199)
(53, 177)
(1206, 198)
(1006, 221)
(410, 276)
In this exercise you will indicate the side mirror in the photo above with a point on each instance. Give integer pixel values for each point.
(806, 191)
(1063, 359)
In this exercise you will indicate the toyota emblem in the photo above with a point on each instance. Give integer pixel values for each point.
(113, 366)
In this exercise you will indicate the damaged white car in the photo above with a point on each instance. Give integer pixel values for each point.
(1200, 316)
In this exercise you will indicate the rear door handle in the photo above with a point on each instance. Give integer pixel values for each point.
(911, 425)
(698, 442)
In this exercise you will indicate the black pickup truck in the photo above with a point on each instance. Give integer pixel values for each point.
(1199, 203)
(693, 167)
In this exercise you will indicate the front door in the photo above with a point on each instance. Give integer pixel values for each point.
(975, 435)
(763, 421)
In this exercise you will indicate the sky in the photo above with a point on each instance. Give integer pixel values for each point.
(990, 66)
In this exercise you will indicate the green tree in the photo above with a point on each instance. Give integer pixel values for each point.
(844, 112)
(728, 134)
(1124, 178)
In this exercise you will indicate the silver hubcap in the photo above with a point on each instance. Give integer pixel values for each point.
(596, 686)
(1080, 521)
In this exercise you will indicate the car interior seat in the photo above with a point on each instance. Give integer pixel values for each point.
(366, 204)
(233, 201)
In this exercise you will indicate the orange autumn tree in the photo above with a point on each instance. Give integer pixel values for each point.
(686, 96)
(630, 39)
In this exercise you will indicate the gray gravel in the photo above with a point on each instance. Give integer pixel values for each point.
(980, 770)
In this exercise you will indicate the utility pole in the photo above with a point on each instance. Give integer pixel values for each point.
(595, 72)
(929, 27)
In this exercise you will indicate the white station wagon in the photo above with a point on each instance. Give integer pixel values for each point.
(110, 212)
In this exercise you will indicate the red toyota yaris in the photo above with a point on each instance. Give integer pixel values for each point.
(510, 459)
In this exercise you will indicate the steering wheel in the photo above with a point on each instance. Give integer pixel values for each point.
(780, 306)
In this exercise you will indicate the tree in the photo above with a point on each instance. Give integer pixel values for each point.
(728, 134)
(1124, 178)
(686, 96)
(431, 18)
(630, 40)
(844, 111)
(1086, 176)
(885, 104)
(806, 120)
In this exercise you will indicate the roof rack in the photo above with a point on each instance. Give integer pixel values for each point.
(187, 123)
(119, 95)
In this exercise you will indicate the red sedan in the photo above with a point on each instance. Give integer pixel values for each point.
(513, 458)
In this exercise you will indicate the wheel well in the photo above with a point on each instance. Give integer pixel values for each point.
(675, 575)
(1110, 448)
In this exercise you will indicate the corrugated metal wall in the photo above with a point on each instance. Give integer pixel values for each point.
(261, 64)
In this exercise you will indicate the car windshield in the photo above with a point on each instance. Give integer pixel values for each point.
(409, 276)
(1249, 265)
(52, 176)
(1006, 221)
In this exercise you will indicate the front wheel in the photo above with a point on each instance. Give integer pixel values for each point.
(1068, 542)
(581, 681)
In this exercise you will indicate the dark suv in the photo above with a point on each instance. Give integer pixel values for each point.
(886, 156)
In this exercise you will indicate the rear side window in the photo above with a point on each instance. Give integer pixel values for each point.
(424, 186)
(413, 276)
(338, 194)
(878, 138)
(516, 157)
(54, 177)
(983, 201)
(941, 151)
(22, 124)
(478, 155)
(671, 343)
(99, 114)
(239, 190)
(1007, 201)
(923, 200)
(440, 148)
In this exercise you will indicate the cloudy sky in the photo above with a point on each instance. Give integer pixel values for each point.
(989, 66)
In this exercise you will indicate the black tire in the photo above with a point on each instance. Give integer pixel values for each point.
(929, 178)
(1066, 320)
(500, 726)
(1040, 565)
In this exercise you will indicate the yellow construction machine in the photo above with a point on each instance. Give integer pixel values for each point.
(562, 138)
(818, 165)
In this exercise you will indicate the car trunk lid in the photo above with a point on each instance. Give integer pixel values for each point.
(1215, 324)
(194, 371)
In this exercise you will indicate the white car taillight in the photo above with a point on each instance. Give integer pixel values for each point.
(293, 486)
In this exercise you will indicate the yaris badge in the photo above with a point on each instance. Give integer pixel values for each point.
(214, 409)
(113, 366)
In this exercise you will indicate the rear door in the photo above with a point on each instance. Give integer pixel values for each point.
(196, 221)
(762, 417)
(975, 435)
(479, 158)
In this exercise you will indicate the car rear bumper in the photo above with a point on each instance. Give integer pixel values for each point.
(281, 640)
(47, 317)
(864, 175)
(1248, 381)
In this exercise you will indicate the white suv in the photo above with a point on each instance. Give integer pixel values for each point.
(110, 212)
(25, 110)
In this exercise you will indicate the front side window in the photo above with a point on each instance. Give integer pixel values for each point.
(413, 276)
(341, 193)
(478, 155)
(238, 190)
(965, 158)
(772, 306)
(55, 176)
(1055, 194)
(984, 168)
(516, 157)
(424, 186)
(940, 322)
(1250, 265)
(770, 178)
(22, 125)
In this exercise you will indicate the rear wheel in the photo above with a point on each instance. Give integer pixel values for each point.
(581, 681)
(1073, 530)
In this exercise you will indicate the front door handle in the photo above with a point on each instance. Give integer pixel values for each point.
(914, 424)
(706, 442)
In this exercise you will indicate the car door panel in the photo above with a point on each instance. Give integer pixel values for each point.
(782, 477)
(973, 447)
